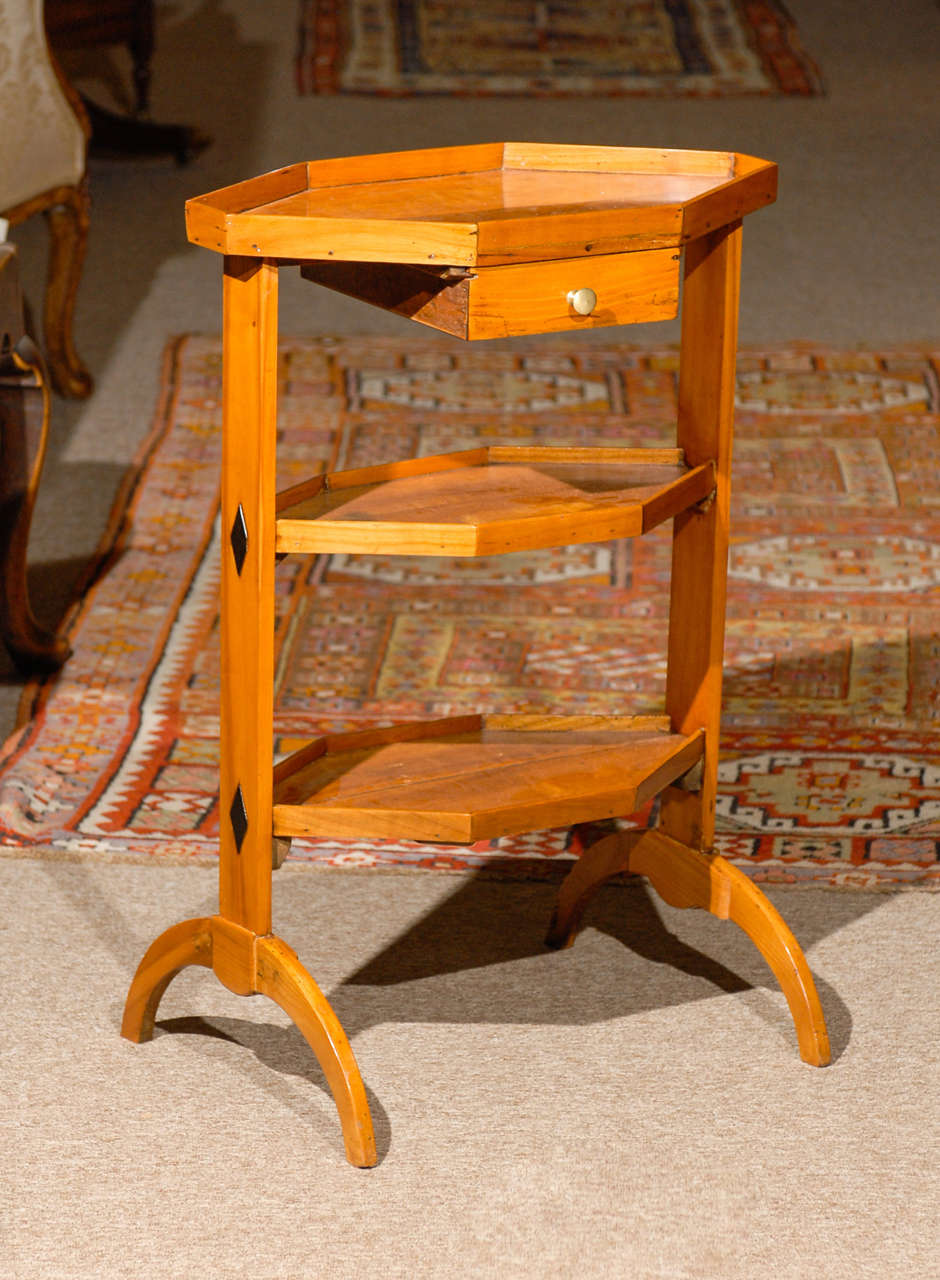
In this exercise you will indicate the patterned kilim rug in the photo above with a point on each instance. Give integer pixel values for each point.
(569, 48)
(831, 750)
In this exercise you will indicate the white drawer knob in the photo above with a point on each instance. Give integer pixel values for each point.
(583, 301)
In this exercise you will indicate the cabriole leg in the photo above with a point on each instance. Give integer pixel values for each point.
(68, 240)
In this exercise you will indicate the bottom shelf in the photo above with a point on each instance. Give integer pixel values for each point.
(474, 778)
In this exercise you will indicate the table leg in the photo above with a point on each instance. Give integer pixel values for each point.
(24, 426)
(238, 944)
(678, 858)
(700, 536)
(685, 877)
(249, 965)
(247, 617)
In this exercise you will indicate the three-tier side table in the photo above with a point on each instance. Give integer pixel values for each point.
(485, 241)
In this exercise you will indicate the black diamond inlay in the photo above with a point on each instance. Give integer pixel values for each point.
(239, 817)
(239, 538)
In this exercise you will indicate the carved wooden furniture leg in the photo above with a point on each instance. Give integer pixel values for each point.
(684, 877)
(67, 217)
(249, 965)
(24, 425)
(23, 431)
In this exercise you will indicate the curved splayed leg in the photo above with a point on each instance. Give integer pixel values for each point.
(751, 911)
(189, 942)
(684, 877)
(248, 964)
(281, 977)
(597, 864)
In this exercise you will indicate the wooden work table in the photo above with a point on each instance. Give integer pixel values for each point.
(480, 242)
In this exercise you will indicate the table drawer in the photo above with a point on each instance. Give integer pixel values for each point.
(528, 297)
(573, 293)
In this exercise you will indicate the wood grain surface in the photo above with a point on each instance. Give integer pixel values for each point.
(477, 783)
(482, 205)
(489, 501)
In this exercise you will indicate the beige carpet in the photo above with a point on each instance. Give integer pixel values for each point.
(632, 1107)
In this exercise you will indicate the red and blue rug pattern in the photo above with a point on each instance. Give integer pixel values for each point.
(553, 48)
(830, 767)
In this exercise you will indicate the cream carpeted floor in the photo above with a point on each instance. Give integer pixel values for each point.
(633, 1107)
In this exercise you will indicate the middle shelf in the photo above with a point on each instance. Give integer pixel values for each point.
(490, 500)
(475, 777)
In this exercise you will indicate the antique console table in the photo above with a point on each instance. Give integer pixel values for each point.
(481, 242)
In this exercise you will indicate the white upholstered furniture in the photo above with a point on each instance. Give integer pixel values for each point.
(43, 141)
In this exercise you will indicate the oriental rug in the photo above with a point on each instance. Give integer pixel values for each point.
(553, 48)
(830, 770)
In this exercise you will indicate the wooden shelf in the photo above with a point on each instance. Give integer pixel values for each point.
(476, 778)
(489, 500)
